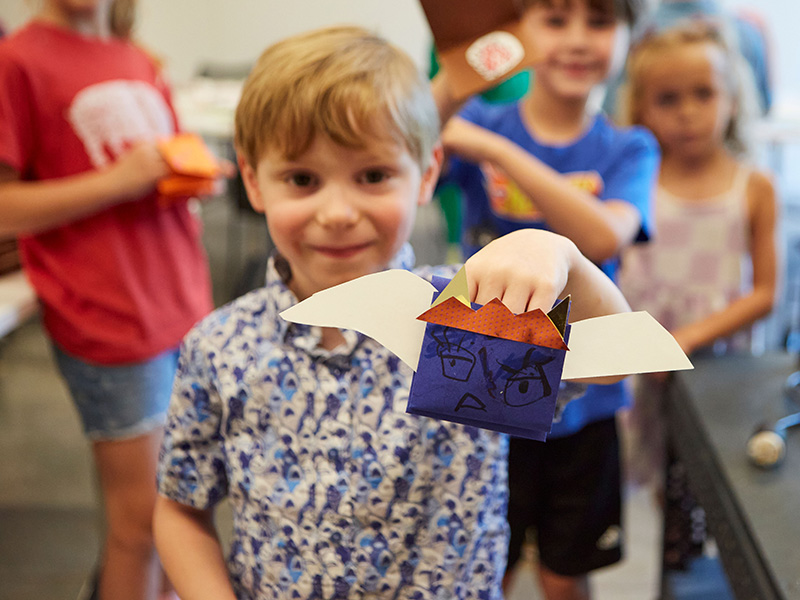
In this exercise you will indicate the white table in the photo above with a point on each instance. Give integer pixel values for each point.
(17, 302)
(207, 106)
(774, 134)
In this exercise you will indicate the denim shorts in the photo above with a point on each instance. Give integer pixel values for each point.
(119, 401)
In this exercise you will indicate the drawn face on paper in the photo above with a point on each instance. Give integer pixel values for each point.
(485, 374)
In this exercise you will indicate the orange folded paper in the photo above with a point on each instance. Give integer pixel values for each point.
(194, 167)
(494, 319)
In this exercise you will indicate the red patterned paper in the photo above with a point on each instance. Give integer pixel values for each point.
(532, 327)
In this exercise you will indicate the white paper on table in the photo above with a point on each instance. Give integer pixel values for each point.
(385, 306)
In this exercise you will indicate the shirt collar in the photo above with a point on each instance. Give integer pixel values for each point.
(307, 337)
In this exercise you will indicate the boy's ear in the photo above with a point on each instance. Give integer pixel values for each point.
(431, 175)
(250, 181)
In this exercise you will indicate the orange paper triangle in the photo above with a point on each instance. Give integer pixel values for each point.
(494, 319)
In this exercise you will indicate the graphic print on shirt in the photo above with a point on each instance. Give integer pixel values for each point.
(108, 117)
(508, 201)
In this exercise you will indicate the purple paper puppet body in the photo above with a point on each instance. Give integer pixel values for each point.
(482, 380)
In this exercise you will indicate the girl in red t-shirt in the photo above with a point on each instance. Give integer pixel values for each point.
(121, 275)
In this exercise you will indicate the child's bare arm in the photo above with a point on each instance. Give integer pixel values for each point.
(763, 217)
(532, 268)
(446, 103)
(30, 206)
(190, 551)
(599, 228)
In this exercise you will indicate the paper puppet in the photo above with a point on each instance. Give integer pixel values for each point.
(479, 43)
(194, 167)
(485, 366)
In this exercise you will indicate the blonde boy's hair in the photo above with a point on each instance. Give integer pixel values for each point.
(344, 82)
(649, 50)
(622, 10)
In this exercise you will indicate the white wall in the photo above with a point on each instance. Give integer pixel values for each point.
(782, 18)
(189, 32)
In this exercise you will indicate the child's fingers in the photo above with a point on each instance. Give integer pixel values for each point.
(516, 299)
(526, 269)
(524, 296)
(227, 169)
(485, 285)
(543, 297)
(219, 187)
(517, 293)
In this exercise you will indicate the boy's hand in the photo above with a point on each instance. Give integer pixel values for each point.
(470, 141)
(136, 172)
(526, 269)
(690, 337)
(446, 102)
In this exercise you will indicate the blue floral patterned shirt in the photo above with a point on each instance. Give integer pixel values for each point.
(336, 492)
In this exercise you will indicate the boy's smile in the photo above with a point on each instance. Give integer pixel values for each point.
(336, 213)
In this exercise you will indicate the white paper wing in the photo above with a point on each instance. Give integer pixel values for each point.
(384, 306)
(621, 344)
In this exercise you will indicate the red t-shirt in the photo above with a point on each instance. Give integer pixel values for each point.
(129, 281)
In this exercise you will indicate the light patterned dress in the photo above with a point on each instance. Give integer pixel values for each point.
(697, 263)
(336, 491)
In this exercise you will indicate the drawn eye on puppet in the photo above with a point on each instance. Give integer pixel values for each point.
(457, 361)
(527, 384)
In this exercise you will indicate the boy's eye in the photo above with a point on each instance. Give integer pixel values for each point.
(600, 20)
(301, 179)
(555, 20)
(704, 93)
(373, 176)
(667, 99)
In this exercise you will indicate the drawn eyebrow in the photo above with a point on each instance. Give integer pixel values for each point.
(527, 362)
(443, 341)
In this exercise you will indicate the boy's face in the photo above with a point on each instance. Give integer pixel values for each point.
(577, 46)
(684, 100)
(337, 213)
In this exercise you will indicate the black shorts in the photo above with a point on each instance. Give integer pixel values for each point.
(568, 490)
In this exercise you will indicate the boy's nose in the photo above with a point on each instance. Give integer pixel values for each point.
(687, 109)
(336, 209)
(577, 33)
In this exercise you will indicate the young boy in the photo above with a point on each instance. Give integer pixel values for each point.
(547, 162)
(336, 491)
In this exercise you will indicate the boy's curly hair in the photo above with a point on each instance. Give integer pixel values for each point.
(344, 82)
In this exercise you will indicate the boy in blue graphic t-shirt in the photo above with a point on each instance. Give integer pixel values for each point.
(547, 162)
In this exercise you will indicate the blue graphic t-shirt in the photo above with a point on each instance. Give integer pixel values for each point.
(609, 162)
(336, 492)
